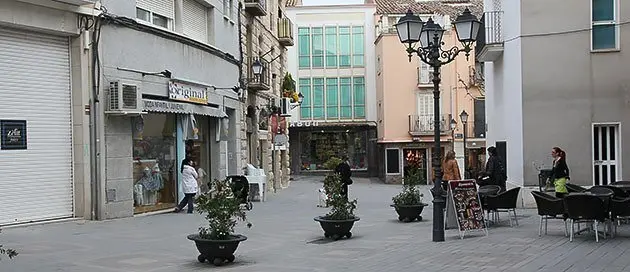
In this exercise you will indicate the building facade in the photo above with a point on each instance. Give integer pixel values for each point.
(558, 84)
(44, 147)
(266, 33)
(405, 101)
(168, 85)
(334, 66)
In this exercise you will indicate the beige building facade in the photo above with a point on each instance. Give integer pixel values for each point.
(266, 33)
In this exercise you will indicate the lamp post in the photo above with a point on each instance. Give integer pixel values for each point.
(464, 118)
(411, 30)
(453, 127)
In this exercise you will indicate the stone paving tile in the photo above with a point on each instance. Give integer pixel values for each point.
(285, 238)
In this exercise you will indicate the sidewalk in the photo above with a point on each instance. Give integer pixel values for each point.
(284, 237)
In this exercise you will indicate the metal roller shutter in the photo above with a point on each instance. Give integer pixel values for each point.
(36, 183)
(161, 7)
(194, 21)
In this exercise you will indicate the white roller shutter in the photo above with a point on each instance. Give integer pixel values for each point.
(161, 7)
(195, 20)
(36, 183)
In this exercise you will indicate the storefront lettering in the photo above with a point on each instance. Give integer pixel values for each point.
(162, 105)
(304, 124)
(188, 93)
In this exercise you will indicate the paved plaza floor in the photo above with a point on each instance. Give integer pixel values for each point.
(284, 237)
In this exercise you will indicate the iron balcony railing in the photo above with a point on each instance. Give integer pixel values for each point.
(424, 124)
(256, 7)
(491, 31)
(285, 30)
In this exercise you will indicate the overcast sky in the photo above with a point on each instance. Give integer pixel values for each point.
(330, 2)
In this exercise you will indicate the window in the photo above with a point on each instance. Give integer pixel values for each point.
(344, 46)
(318, 98)
(425, 106)
(359, 97)
(318, 47)
(392, 161)
(604, 20)
(331, 47)
(304, 44)
(159, 13)
(345, 95)
(357, 46)
(332, 98)
(305, 89)
(424, 73)
(195, 20)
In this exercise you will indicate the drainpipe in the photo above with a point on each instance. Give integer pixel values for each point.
(95, 141)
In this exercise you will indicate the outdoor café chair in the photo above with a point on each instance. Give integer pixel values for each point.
(549, 207)
(504, 202)
(585, 208)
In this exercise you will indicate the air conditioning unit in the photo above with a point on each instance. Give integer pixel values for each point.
(123, 98)
(285, 107)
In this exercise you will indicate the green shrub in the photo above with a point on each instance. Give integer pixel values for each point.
(340, 207)
(332, 163)
(222, 210)
(410, 194)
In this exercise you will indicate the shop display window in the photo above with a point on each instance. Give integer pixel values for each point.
(416, 159)
(197, 150)
(319, 146)
(154, 162)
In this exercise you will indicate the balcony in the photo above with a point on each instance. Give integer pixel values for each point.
(258, 82)
(422, 125)
(285, 32)
(256, 7)
(489, 45)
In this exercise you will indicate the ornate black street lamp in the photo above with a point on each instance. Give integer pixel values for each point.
(411, 30)
(464, 118)
(453, 127)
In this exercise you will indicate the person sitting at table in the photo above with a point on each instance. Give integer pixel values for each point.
(495, 173)
(560, 172)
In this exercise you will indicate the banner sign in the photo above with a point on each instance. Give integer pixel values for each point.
(13, 134)
(188, 93)
(466, 205)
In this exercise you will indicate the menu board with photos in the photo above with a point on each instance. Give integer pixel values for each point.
(467, 206)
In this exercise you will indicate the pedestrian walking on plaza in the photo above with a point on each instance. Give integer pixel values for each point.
(495, 173)
(343, 170)
(560, 172)
(450, 168)
(189, 185)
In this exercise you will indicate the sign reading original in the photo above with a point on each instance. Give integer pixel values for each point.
(189, 93)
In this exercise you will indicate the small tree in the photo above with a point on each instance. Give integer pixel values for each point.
(410, 194)
(332, 163)
(341, 208)
(222, 210)
(7, 252)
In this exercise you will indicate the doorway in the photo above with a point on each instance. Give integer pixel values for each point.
(606, 157)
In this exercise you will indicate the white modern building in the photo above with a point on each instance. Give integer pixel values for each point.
(333, 64)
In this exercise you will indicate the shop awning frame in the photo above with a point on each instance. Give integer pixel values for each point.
(152, 105)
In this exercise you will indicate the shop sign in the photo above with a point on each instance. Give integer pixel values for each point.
(163, 106)
(13, 134)
(189, 93)
(304, 124)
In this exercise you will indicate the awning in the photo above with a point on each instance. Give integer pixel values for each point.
(181, 108)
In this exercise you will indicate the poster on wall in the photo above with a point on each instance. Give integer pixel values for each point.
(466, 206)
(13, 134)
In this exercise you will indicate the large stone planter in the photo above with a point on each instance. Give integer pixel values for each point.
(409, 213)
(336, 229)
(217, 252)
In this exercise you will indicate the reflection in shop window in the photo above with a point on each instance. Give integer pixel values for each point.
(319, 146)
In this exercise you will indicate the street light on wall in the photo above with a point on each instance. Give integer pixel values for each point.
(411, 31)
(257, 67)
(453, 127)
(464, 118)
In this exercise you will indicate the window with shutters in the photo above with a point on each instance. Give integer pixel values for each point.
(195, 20)
(424, 74)
(157, 12)
(425, 105)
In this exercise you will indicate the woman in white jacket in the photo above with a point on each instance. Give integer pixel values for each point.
(189, 185)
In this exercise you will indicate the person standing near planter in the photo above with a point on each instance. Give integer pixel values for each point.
(560, 172)
(189, 185)
(343, 170)
(451, 169)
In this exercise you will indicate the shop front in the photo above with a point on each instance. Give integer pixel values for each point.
(318, 142)
(402, 158)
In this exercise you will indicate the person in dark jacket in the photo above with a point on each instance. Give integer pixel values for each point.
(495, 170)
(560, 172)
(343, 170)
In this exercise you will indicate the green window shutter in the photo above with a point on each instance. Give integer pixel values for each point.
(318, 98)
(305, 90)
(359, 97)
(318, 47)
(345, 95)
(304, 45)
(332, 98)
(344, 46)
(331, 47)
(358, 46)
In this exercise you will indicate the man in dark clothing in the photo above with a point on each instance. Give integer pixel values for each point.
(343, 170)
(495, 173)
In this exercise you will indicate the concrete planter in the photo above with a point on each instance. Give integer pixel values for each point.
(218, 252)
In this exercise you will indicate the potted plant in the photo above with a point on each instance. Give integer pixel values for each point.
(288, 88)
(408, 203)
(7, 252)
(217, 242)
(339, 221)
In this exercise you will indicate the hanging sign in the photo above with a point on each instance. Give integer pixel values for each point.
(466, 206)
(186, 92)
(13, 134)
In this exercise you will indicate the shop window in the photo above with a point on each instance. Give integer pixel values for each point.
(154, 162)
(319, 146)
(416, 160)
(392, 161)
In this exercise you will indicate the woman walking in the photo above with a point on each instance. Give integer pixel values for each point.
(450, 168)
(189, 185)
(559, 172)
